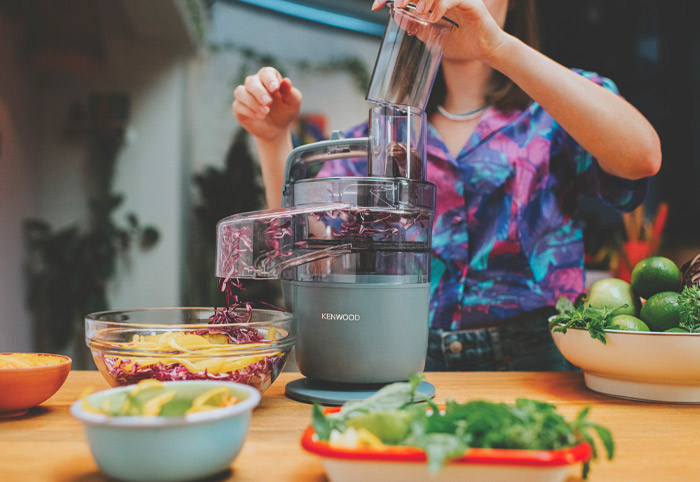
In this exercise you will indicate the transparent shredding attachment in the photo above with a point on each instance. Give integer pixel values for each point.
(262, 244)
(367, 227)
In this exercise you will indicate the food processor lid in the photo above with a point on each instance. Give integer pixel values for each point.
(380, 193)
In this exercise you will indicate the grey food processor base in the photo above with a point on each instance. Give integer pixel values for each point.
(367, 332)
(333, 394)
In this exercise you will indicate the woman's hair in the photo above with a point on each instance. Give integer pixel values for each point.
(503, 93)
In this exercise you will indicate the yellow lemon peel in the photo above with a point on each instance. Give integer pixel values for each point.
(152, 407)
(85, 402)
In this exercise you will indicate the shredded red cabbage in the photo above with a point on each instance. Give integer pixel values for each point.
(256, 374)
(274, 234)
(368, 225)
(234, 243)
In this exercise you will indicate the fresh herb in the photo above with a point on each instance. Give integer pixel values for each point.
(447, 434)
(595, 320)
(689, 308)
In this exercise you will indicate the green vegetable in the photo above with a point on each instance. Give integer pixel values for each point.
(391, 397)
(392, 416)
(689, 309)
(390, 426)
(595, 320)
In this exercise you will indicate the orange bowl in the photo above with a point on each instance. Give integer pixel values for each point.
(23, 387)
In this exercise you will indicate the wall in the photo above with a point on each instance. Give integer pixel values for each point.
(180, 122)
(17, 199)
(212, 79)
(149, 165)
(41, 168)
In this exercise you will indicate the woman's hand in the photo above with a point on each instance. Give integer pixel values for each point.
(480, 33)
(266, 104)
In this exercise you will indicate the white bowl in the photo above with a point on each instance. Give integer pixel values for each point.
(649, 366)
(169, 448)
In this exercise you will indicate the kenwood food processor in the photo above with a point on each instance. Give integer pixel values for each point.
(353, 253)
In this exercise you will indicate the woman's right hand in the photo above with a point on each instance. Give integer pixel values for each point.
(266, 104)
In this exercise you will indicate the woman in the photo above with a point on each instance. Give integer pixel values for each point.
(515, 138)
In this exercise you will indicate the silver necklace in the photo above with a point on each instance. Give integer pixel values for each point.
(472, 114)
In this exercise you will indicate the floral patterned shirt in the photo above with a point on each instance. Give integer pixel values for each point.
(506, 234)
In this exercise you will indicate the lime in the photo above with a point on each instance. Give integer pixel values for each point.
(661, 311)
(676, 330)
(390, 426)
(613, 294)
(654, 275)
(628, 322)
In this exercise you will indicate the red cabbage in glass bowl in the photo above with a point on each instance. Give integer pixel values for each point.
(170, 344)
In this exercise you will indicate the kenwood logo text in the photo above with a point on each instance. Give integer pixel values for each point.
(339, 317)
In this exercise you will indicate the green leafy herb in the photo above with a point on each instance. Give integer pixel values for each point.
(444, 435)
(689, 308)
(595, 320)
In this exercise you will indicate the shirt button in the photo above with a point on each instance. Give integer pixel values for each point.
(455, 347)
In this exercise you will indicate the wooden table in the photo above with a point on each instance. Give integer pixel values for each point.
(655, 442)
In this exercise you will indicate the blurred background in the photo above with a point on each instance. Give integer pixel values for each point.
(118, 150)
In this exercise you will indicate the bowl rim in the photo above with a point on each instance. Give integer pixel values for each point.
(144, 422)
(474, 456)
(286, 317)
(632, 332)
(66, 361)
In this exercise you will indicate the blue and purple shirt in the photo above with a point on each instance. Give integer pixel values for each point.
(506, 236)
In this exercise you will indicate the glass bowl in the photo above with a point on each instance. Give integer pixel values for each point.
(171, 344)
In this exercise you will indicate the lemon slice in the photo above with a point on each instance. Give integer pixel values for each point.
(144, 385)
(206, 401)
(87, 406)
(152, 407)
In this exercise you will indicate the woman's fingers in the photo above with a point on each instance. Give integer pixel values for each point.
(254, 86)
(378, 4)
(252, 104)
(240, 111)
(270, 78)
(438, 11)
(424, 6)
(288, 94)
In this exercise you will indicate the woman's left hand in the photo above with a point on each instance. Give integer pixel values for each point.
(480, 32)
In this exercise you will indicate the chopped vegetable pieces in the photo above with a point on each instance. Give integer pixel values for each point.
(27, 360)
(150, 398)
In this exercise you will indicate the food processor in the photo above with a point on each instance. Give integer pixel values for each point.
(354, 253)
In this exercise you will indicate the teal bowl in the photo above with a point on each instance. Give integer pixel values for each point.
(169, 448)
